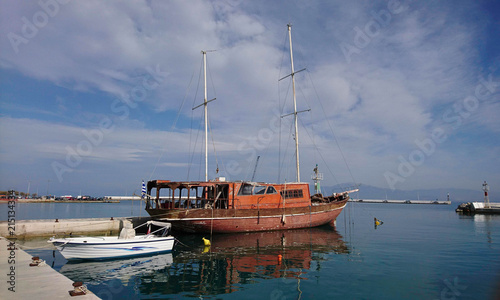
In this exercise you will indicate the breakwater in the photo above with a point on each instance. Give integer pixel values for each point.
(400, 201)
(61, 227)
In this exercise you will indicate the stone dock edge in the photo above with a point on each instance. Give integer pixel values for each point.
(19, 280)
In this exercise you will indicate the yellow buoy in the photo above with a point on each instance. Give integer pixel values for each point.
(206, 242)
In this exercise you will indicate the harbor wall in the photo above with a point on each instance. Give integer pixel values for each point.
(401, 201)
(123, 197)
(63, 227)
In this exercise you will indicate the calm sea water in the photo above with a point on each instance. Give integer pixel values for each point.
(56, 210)
(420, 252)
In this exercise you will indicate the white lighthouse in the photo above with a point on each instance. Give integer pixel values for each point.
(486, 188)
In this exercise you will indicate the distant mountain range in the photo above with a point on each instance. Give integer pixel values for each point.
(373, 192)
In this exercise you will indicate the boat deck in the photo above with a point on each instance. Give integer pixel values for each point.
(41, 282)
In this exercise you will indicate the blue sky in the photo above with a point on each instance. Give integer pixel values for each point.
(97, 95)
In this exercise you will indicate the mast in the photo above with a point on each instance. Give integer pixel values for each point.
(294, 105)
(205, 104)
(295, 112)
(206, 111)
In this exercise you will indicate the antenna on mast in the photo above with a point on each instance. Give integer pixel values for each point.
(255, 168)
(317, 177)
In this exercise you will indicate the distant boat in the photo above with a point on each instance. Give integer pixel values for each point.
(235, 206)
(127, 244)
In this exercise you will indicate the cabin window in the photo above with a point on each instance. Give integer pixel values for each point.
(271, 190)
(259, 190)
(292, 194)
(245, 189)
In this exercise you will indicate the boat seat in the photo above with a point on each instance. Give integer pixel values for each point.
(127, 231)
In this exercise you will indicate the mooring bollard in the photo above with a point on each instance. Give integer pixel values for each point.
(78, 289)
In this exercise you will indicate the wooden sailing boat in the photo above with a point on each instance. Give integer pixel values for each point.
(236, 206)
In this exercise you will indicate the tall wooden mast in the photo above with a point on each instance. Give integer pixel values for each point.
(206, 111)
(294, 105)
(205, 104)
(295, 112)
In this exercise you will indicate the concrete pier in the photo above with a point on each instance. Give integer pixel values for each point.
(50, 227)
(478, 208)
(400, 201)
(20, 281)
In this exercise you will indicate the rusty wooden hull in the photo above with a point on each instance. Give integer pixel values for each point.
(249, 220)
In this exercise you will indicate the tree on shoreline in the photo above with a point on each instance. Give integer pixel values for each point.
(13, 193)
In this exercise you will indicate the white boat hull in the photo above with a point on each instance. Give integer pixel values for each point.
(105, 247)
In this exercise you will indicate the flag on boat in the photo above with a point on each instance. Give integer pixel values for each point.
(143, 194)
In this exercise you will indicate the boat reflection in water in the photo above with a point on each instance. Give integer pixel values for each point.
(96, 272)
(232, 261)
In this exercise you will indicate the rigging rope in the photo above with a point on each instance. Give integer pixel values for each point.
(211, 79)
(215, 152)
(198, 133)
(200, 152)
(191, 131)
(331, 129)
(172, 127)
(281, 107)
(194, 152)
(286, 150)
(321, 155)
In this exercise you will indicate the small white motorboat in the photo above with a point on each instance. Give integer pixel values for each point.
(125, 245)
